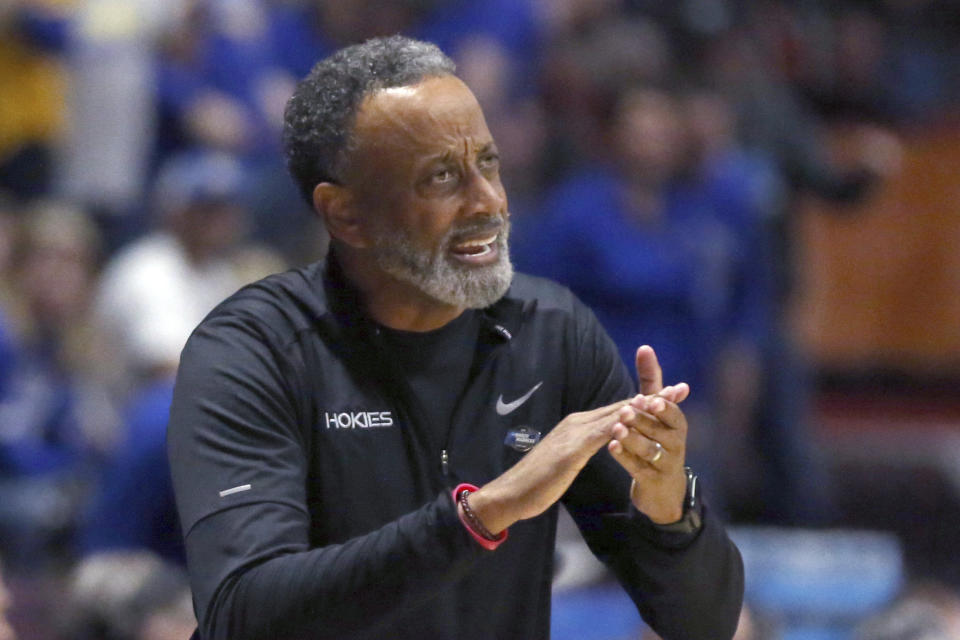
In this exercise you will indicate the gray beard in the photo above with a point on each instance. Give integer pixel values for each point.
(439, 277)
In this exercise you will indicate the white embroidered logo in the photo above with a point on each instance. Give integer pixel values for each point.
(358, 420)
(505, 408)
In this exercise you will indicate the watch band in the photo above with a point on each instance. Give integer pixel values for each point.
(692, 518)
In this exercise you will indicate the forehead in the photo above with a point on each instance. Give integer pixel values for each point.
(434, 113)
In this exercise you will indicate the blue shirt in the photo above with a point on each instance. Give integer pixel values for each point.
(677, 282)
(134, 508)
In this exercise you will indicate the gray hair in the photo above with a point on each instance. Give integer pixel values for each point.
(319, 118)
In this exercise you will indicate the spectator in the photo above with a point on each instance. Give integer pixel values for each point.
(106, 157)
(152, 295)
(592, 55)
(156, 290)
(221, 84)
(772, 465)
(775, 124)
(53, 422)
(133, 507)
(128, 596)
(223, 77)
(32, 85)
(655, 257)
(512, 25)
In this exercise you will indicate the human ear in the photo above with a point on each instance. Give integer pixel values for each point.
(335, 205)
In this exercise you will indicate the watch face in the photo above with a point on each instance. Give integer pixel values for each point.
(691, 498)
(692, 514)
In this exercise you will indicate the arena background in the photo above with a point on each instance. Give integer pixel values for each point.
(141, 180)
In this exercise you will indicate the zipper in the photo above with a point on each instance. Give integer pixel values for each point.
(395, 384)
(419, 440)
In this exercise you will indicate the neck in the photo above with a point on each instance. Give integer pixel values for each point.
(197, 254)
(391, 302)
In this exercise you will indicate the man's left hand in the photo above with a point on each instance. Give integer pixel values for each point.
(650, 443)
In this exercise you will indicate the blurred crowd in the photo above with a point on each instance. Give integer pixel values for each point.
(654, 154)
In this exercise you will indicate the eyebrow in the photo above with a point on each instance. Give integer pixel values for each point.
(447, 156)
(450, 156)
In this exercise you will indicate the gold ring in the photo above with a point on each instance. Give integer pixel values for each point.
(658, 454)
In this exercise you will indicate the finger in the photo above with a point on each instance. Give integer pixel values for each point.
(667, 413)
(601, 412)
(636, 417)
(649, 426)
(649, 374)
(637, 444)
(633, 464)
(676, 393)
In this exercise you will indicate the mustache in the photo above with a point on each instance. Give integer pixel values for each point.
(478, 227)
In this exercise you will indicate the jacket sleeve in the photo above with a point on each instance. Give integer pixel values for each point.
(686, 586)
(239, 467)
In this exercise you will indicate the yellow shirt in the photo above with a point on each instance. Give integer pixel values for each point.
(32, 92)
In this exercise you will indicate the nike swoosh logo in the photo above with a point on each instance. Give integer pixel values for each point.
(504, 408)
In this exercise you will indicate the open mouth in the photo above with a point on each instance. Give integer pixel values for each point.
(476, 250)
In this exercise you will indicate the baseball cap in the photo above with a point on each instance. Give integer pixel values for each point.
(199, 176)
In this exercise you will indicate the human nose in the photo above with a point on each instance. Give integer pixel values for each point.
(485, 195)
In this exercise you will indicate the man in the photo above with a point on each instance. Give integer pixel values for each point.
(326, 421)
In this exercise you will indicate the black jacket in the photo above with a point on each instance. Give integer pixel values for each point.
(314, 507)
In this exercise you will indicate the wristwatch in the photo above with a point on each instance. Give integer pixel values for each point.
(692, 518)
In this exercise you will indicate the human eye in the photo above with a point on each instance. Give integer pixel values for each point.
(489, 161)
(442, 175)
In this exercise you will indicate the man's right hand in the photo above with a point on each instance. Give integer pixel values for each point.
(529, 487)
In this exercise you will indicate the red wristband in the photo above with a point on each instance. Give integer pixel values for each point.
(486, 543)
